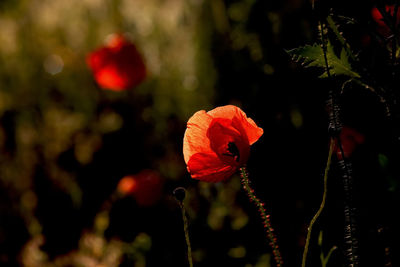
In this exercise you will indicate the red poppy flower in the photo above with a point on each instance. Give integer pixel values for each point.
(349, 139)
(127, 185)
(118, 65)
(146, 187)
(217, 143)
(377, 16)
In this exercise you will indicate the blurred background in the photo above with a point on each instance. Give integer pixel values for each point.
(66, 143)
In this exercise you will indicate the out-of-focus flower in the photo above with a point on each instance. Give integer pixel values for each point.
(217, 143)
(118, 65)
(146, 187)
(350, 139)
(383, 28)
(127, 185)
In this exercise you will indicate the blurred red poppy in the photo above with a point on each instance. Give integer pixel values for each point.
(350, 139)
(146, 187)
(383, 28)
(217, 143)
(127, 185)
(118, 65)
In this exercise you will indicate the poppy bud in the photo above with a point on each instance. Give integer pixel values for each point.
(179, 193)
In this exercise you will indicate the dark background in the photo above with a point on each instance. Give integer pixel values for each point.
(65, 143)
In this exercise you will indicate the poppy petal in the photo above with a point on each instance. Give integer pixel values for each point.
(351, 133)
(239, 121)
(195, 139)
(118, 65)
(350, 139)
(208, 167)
(221, 134)
(97, 59)
(108, 77)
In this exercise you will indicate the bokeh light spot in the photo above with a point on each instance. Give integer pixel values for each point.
(53, 64)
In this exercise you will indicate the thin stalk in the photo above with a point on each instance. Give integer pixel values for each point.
(378, 92)
(324, 261)
(349, 210)
(394, 34)
(185, 229)
(264, 216)
(321, 207)
(324, 48)
(335, 126)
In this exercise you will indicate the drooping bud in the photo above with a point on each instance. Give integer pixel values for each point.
(179, 193)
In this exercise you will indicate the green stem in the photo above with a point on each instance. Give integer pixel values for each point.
(328, 164)
(329, 255)
(324, 261)
(265, 217)
(324, 48)
(185, 228)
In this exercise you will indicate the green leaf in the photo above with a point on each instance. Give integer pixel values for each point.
(320, 238)
(313, 56)
(339, 36)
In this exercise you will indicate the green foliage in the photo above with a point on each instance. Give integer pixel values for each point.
(313, 56)
(334, 27)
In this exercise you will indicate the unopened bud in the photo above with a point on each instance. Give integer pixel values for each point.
(179, 193)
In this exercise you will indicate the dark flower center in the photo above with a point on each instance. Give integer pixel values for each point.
(233, 151)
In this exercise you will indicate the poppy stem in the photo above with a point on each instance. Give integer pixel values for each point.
(321, 207)
(180, 194)
(185, 229)
(264, 216)
(335, 126)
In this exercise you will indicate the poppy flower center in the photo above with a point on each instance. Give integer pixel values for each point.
(233, 151)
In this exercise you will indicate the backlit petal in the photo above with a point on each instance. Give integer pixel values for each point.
(195, 139)
(221, 133)
(117, 66)
(209, 168)
(109, 77)
(97, 59)
(239, 120)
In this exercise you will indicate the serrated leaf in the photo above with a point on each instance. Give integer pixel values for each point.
(313, 56)
(310, 55)
(339, 36)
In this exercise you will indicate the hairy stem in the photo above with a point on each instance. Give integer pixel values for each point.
(264, 216)
(321, 207)
(335, 126)
(394, 40)
(350, 239)
(185, 228)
